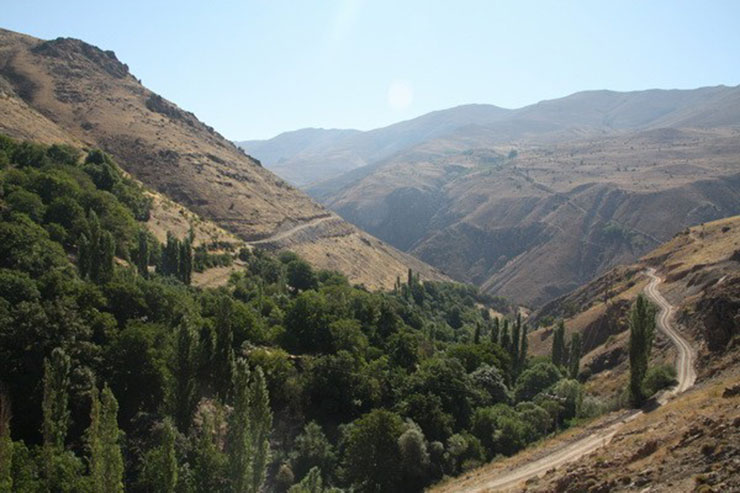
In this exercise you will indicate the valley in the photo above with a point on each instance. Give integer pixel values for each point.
(531, 203)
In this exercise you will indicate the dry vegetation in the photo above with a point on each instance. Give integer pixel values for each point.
(65, 90)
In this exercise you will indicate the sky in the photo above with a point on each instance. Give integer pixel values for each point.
(254, 69)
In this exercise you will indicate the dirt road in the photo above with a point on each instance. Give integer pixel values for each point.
(686, 376)
(290, 232)
(685, 371)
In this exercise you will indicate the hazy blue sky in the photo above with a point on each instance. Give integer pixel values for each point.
(253, 69)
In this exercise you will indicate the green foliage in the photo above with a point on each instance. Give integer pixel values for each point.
(311, 450)
(397, 380)
(642, 332)
(658, 378)
(300, 275)
(558, 345)
(160, 463)
(536, 379)
(6, 446)
(372, 457)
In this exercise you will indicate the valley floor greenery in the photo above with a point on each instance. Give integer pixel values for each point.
(117, 374)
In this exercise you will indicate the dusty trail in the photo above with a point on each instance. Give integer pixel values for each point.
(290, 232)
(686, 375)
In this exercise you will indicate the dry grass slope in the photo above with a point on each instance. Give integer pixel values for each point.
(67, 90)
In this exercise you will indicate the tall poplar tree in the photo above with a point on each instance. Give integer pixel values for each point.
(260, 418)
(103, 443)
(160, 466)
(55, 410)
(558, 345)
(6, 445)
(642, 332)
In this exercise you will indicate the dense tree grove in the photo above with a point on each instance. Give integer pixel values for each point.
(118, 375)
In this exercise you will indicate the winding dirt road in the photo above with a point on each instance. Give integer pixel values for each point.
(686, 375)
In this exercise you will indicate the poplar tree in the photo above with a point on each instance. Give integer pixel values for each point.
(103, 435)
(160, 468)
(185, 264)
(250, 424)
(142, 254)
(6, 446)
(184, 398)
(515, 335)
(476, 334)
(223, 356)
(260, 418)
(523, 348)
(575, 355)
(239, 439)
(505, 340)
(95, 443)
(208, 462)
(106, 252)
(83, 256)
(495, 331)
(642, 332)
(558, 345)
(55, 410)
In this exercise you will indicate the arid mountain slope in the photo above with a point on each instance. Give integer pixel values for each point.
(67, 90)
(313, 155)
(537, 224)
(688, 444)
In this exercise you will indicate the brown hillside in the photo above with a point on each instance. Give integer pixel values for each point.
(67, 90)
(691, 442)
(701, 271)
(534, 226)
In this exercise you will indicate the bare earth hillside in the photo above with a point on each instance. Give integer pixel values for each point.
(690, 442)
(67, 90)
(531, 203)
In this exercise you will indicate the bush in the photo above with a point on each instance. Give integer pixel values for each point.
(658, 378)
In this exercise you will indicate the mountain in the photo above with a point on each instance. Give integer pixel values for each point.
(533, 202)
(679, 436)
(66, 90)
(313, 155)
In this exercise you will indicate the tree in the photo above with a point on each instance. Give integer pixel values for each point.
(260, 418)
(414, 458)
(239, 442)
(505, 339)
(142, 254)
(523, 348)
(642, 332)
(249, 429)
(160, 463)
(107, 252)
(575, 355)
(312, 449)
(209, 463)
(6, 445)
(300, 275)
(103, 435)
(55, 411)
(535, 380)
(185, 261)
(312, 483)
(495, 331)
(372, 459)
(558, 345)
(515, 340)
(184, 398)
(223, 354)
